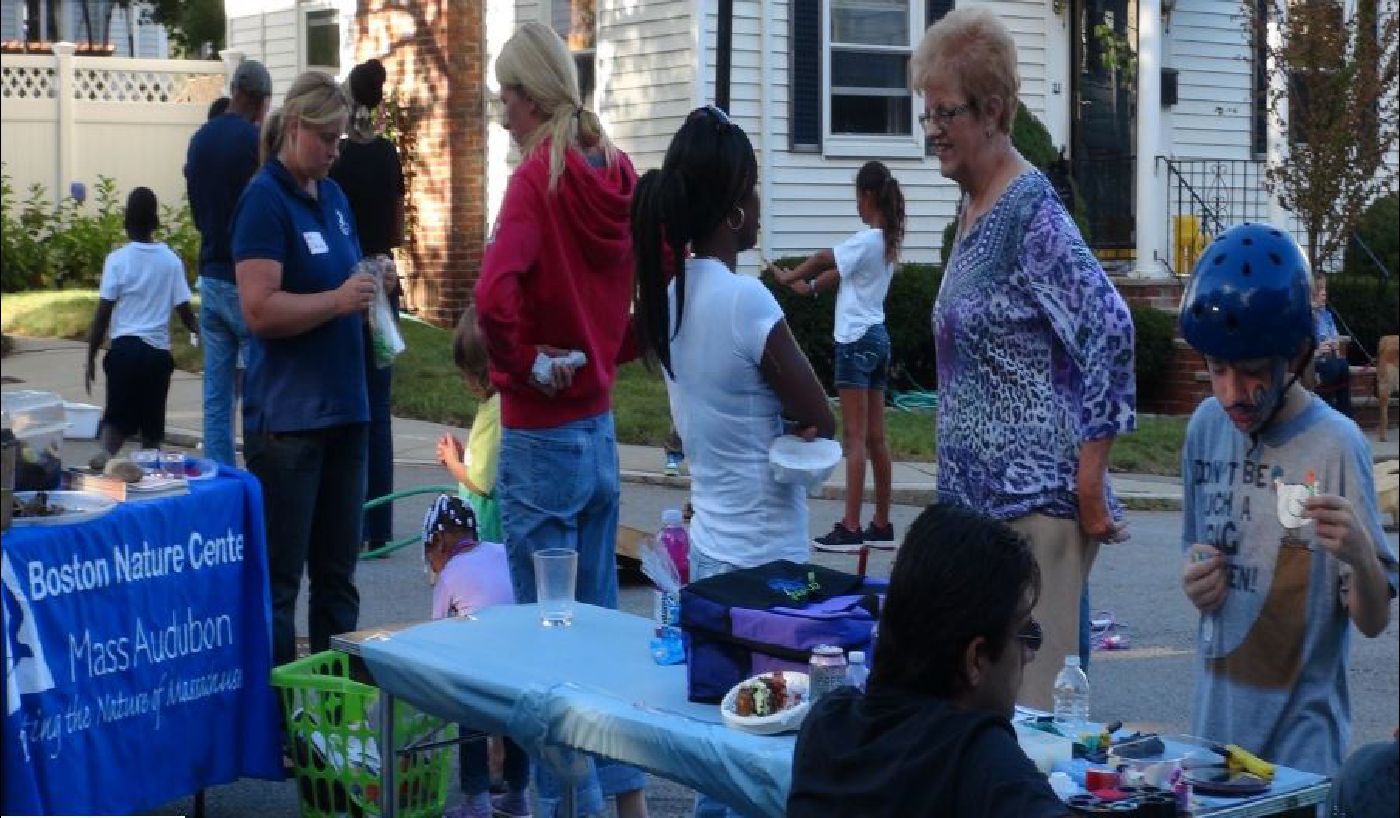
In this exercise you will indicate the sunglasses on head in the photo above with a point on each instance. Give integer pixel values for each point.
(1031, 635)
(715, 113)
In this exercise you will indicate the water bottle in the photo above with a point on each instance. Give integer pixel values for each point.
(676, 542)
(1071, 699)
(856, 671)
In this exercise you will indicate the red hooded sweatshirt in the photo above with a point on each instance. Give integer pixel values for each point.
(558, 272)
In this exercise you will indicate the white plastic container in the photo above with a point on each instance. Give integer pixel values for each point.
(806, 463)
(82, 420)
(38, 423)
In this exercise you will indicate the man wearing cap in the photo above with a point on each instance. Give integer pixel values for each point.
(222, 157)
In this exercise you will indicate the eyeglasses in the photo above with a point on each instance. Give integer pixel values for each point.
(1031, 635)
(943, 117)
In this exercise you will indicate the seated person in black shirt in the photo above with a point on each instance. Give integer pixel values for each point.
(933, 736)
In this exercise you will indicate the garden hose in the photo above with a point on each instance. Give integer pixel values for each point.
(921, 401)
(390, 547)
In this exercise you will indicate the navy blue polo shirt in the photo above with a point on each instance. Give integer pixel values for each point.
(316, 379)
(222, 157)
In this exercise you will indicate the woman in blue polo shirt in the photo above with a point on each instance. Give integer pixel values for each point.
(305, 408)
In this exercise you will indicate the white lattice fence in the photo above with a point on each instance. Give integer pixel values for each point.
(68, 118)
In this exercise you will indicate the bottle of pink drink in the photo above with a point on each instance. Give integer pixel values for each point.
(676, 542)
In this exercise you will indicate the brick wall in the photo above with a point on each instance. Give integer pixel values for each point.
(1183, 385)
(434, 52)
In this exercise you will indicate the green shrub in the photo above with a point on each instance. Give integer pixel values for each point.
(63, 247)
(908, 308)
(908, 317)
(1380, 229)
(79, 240)
(1368, 307)
(23, 256)
(1152, 349)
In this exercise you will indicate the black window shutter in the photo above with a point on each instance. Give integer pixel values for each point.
(937, 8)
(805, 105)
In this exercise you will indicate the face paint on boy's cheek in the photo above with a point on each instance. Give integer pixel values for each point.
(1266, 397)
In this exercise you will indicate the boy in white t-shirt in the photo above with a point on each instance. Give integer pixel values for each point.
(469, 574)
(141, 283)
(862, 267)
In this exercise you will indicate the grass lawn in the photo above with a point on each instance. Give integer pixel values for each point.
(427, 387)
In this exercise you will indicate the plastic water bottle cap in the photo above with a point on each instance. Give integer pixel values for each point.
(671, 516)
(1072, 661)
(857, 657)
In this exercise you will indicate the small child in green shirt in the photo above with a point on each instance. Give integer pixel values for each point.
(474, 466)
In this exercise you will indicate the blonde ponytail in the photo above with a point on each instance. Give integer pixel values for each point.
(536, 61)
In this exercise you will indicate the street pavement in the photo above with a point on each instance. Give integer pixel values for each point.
(1137, 581)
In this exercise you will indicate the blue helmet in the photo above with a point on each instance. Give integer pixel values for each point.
(1250, 296)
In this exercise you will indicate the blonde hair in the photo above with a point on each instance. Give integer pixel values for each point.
(536, 62)
(315, 98)
(974, 47)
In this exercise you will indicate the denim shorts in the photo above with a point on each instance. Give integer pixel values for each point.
(865, 362)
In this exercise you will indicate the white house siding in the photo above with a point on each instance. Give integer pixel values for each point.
(646, 71)
(1211, 51)
(151, 41)
(267, 31)
(11, 13)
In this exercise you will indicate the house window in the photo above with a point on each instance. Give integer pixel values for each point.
(868, 98)
(1312, 74)
(577, 22)
(322, 40)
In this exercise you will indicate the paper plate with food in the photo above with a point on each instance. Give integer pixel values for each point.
(767, 704)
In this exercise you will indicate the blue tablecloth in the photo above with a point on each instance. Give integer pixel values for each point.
(592, 686)
(137, 650)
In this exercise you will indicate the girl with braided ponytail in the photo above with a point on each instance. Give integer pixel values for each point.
(861, 267)
(733, 370)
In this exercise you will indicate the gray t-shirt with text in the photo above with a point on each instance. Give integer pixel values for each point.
(1271, 663)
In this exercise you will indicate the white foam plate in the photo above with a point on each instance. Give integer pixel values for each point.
(78, 507)
(803, 462)
(786, 720)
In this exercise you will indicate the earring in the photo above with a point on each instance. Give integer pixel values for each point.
(742, 218)
(989, 133)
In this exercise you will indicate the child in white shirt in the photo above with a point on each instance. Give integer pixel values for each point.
(862, 267)
(141, 283)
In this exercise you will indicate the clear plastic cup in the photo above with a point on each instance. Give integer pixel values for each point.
(148, 460)
(172, 464)
(556, 572)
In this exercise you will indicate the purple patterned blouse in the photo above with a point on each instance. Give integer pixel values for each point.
(1035, 357)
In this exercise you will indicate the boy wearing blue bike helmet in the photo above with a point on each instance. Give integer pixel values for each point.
(1282, 535)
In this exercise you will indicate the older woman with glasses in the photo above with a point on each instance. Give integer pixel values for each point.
(1034, 344)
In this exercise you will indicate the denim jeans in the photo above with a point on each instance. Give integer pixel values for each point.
(474, 763)
(865, 362)
(313, 485)
(379, 521)
(558, 488)
(224, 336)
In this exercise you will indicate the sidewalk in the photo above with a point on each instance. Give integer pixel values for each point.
(53, 365)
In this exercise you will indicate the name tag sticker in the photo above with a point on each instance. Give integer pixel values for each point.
(315, 242)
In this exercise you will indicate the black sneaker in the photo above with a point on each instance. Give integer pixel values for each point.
(881, 537)
(841, 540)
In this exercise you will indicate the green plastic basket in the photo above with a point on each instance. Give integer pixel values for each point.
(333, 736)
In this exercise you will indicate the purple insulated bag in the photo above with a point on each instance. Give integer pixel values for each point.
(769, 617)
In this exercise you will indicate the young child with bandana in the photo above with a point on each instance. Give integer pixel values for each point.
(469, 574)
(1282, 537)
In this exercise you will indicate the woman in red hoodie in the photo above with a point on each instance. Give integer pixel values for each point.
(557, 278)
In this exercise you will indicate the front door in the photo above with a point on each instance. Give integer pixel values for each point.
(1103, 77)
